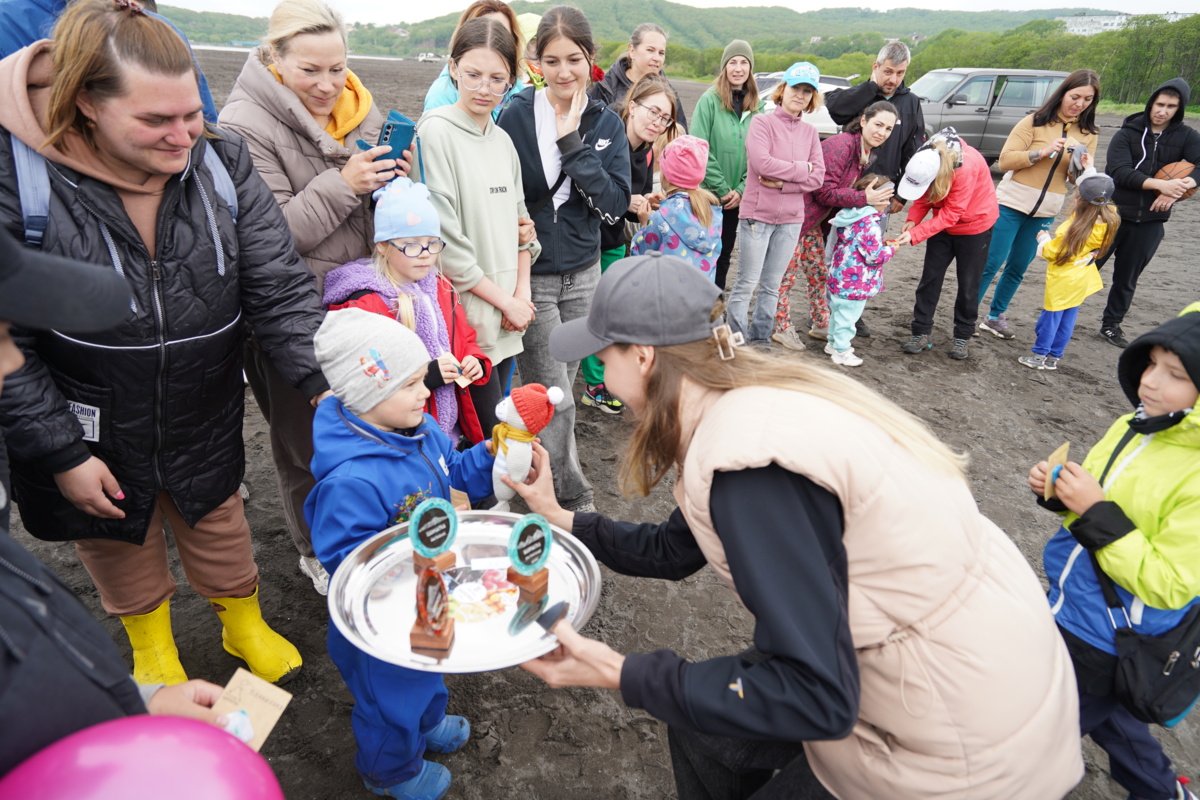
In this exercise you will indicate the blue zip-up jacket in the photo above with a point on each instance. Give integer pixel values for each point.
(369, 480)
(597, 163)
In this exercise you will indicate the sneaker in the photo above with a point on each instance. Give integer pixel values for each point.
(597, 396)
(1114, 335)
(431, 783)
(1051, 363)
(861, 329)
(1181, 791)
(818, 333)
(316, 573)
(959, 351)
(448, 735)
(917, 343)
(997, 327)
(846, 359)
(829, 349)
(788, 338)
(1033, 362)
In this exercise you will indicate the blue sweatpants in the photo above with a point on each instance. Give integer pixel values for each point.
(843, 314)
(1054, 329)
(393, 708)
(1135, 758)
(1014, 244)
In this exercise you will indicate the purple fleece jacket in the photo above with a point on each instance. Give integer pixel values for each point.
(842, 168)
(784, 148)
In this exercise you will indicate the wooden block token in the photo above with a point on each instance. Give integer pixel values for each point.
(443, 562)
(435, 645)
(533, 587)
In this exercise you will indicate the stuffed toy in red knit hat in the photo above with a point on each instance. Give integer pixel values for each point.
(523, 415)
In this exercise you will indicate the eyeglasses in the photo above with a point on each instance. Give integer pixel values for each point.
(416, 249)
(656, 115)
(473, 82)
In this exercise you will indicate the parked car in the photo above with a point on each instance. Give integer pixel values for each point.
(983, 105)
(423, 57)
(821, 120)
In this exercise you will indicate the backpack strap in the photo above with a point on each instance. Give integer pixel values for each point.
(222, 181)
(33, 185)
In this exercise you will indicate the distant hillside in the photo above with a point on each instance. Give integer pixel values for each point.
(612, 20)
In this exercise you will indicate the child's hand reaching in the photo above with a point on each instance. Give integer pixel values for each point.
(448, 366)
(1077, 489)
(472, 370)
(1037, 478)
(1043, 237)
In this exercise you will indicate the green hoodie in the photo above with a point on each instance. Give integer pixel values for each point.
(725, 133)
(474, 179)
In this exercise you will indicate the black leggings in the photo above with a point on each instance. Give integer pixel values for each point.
(970, 252)
(729, 226)
(488, 395)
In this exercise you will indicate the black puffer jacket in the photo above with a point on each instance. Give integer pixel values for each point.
(159, 398)
(1135, 154)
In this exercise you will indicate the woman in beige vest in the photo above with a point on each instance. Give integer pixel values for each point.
(899, 634)
(301, 111)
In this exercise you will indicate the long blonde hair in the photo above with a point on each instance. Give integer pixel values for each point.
(654, 446)
(702, 200)
(945, 176)
(405, 311)
(1084, 218)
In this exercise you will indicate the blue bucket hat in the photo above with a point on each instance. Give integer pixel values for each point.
(803, 72)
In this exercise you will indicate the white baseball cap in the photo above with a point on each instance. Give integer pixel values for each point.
(921, 170)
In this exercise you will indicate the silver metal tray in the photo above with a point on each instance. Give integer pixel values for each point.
(372, 596)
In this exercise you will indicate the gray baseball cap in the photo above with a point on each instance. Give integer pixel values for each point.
(651, 299)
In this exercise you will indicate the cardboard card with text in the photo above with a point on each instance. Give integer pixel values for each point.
(264, 702)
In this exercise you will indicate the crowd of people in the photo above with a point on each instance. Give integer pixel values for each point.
(546, 218)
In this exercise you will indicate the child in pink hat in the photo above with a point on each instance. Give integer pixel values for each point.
(688, 222)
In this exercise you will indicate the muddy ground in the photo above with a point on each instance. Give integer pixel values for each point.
(532, 742)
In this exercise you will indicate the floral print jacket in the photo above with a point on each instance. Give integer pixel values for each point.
(856, 271)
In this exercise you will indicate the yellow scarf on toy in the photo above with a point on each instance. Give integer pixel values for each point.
(503, 432)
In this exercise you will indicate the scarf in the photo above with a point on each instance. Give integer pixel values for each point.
(503, 432)
(430, 325)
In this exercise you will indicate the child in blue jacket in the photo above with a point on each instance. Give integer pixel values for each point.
(688, 222)
(377, 456)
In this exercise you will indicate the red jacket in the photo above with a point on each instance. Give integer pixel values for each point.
(462, 344)
(969, 207)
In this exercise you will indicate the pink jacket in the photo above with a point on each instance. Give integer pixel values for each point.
(969, 207)
(783, 148)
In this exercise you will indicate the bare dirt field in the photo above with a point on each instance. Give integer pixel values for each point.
(534, 743)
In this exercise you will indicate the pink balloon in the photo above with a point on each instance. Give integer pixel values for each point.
(145, 758)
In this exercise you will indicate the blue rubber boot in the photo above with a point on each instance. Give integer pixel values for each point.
(448, 735)
(431, 783)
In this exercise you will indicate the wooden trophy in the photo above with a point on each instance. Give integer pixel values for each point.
(529, 550)
(432, 528)
(433, 632)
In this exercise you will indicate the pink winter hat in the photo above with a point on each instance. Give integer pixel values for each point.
(684, 161)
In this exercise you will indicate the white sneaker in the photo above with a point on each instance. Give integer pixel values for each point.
(829, 349)
(313, 569)
(846, 359)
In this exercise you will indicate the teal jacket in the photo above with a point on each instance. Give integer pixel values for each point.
(725, 133)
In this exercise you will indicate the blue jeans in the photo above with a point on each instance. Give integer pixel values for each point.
(1014, 244)
(559, 298)
(1054, 329)
(843, 314)
(764, 251)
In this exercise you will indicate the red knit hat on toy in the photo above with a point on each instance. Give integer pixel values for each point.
(535, 403)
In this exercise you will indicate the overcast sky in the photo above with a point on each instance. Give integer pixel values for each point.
(394, 11)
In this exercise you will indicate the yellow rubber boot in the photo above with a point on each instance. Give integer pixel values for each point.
(247, 636)
(155, 657)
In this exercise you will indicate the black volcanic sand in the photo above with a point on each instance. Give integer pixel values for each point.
(529, 741)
